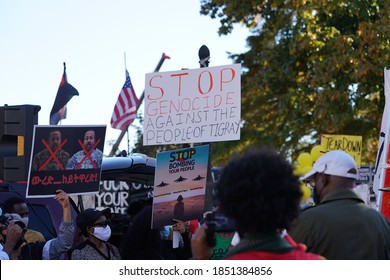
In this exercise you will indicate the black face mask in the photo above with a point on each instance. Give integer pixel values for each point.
(316, 197)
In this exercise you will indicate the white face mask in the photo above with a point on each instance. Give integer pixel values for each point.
(102, 233)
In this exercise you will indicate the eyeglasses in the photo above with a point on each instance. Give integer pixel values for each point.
(101, 224)
(312, 181)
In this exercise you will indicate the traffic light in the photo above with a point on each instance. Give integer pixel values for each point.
(16, 130)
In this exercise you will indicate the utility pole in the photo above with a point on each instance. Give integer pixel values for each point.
(204, 61)
(123, 132)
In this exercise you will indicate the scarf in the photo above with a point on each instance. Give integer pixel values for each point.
(272, 243)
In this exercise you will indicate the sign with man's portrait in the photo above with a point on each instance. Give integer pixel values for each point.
(67, 158)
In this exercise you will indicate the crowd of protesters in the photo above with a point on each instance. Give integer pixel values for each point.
(258, 192)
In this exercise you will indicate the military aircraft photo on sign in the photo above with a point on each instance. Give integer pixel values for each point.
(198, 178)
(162, 184)
(180, 179)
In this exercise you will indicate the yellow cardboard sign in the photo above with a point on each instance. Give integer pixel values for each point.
(350, 144)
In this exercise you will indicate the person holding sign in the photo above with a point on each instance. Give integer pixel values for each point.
(52, 157)
(89, 157)
(260, 194)
(50, 250)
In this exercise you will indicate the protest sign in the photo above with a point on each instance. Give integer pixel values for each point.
(350, 144)
(180, 184)
(67, 158)
(118, 195)
(193, 106)
(382, 164)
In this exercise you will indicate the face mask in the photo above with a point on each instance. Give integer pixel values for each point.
(25, 221)
(102, 233)
(316, 197)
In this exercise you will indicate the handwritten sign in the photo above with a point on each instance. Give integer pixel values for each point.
(193, 106)
(350, 144)
(67, 158)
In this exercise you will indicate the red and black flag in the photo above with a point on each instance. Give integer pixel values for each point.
(65, 92)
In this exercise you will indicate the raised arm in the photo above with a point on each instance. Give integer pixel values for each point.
(63, 198)
(54, 248)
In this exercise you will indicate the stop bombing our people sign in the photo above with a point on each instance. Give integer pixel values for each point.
(193, 106)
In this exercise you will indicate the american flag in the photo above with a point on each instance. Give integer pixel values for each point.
(125, 110)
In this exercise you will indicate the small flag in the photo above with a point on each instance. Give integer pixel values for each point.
(65, 92)
(125, 110)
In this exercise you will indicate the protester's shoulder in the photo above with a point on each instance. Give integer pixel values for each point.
(115, 251)
(33, 235)
(81, 246)
(32, 251)
(112, 246)
(310, 210)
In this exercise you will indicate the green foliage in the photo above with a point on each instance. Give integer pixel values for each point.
(313, 67)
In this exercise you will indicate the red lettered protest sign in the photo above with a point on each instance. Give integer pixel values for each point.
(193, 106)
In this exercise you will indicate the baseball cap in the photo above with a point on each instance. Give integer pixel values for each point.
(88, 217)
(337, 163)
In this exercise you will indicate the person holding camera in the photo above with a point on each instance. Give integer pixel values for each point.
(18, 205)
(13, 230)
(260, 194)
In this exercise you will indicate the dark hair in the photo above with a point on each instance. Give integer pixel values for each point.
(259, 191)
(9, 204)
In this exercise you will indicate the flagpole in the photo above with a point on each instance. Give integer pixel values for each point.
(124, 57)
(120, 137)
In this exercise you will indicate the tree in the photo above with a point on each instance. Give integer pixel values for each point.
(313, 67)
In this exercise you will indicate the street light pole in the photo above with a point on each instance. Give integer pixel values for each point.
(204, 61)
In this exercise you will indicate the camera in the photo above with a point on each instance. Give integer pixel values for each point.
(217, 222)
(3, 222)
(7, 218)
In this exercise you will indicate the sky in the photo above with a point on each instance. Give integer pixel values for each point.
(97, 40)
